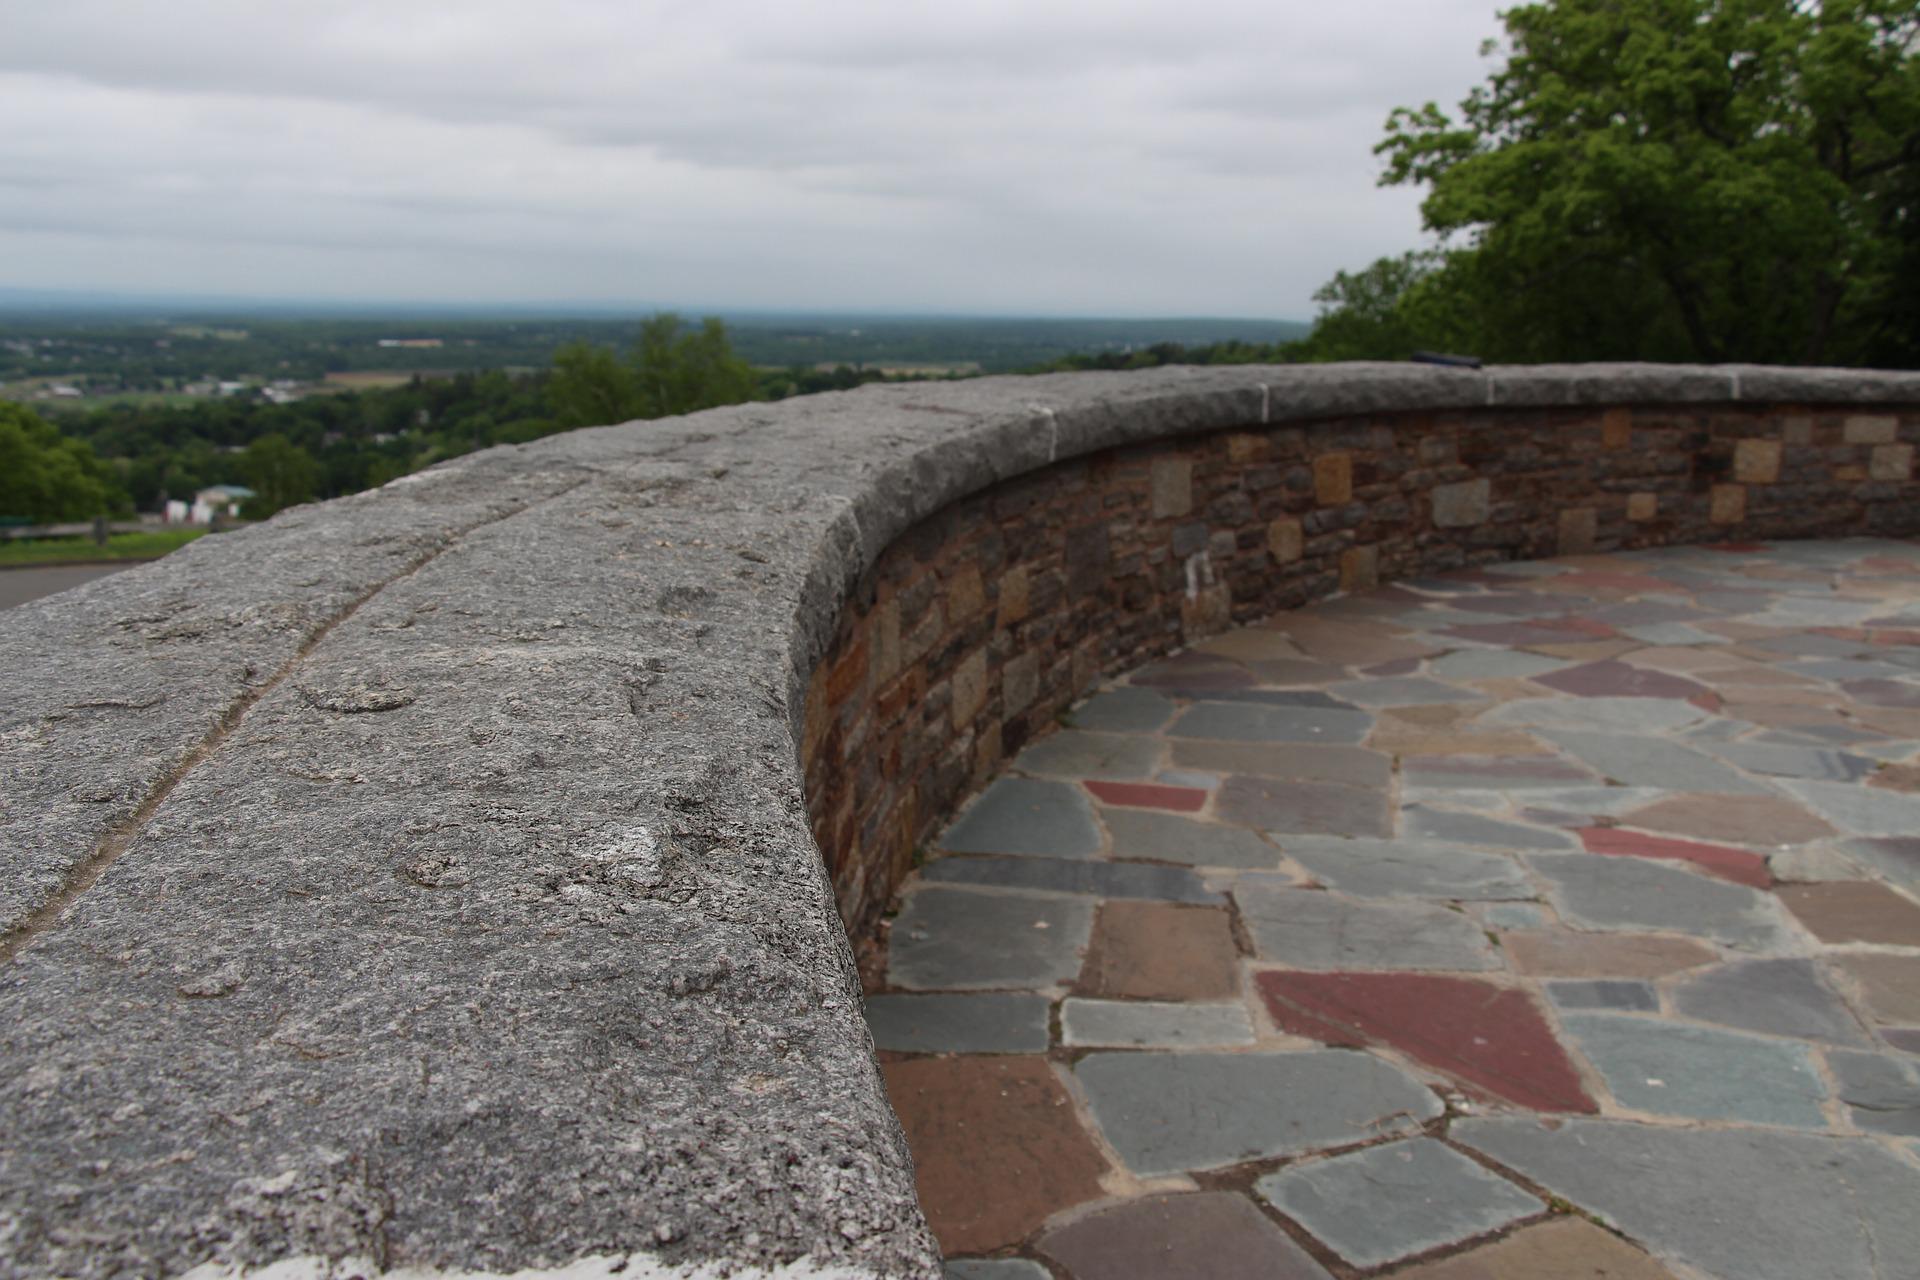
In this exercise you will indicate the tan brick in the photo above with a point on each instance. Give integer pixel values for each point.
(1014, 586)
(1756, 461)
(1359, 568)
(1286, 540)
(1891, 462)
(1172, 487)
(1244, 446)
(883, 634)
(969, 688)
(966, 593)
(1579, 529)
(1727, 504)
(1850, 473)
(1459, 506)
(1643, 506)
(1333, 479)
(1019, 682)
(1616, 428)
(1871, 429)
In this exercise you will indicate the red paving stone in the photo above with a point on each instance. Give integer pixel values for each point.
(997, 1148)
(1610, 679)
(1148, 795)
(1213, 1234)
(1736, 865)
(1492, 1039)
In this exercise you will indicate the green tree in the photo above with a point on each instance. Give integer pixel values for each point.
(45, 476)
(281, 474)
(1673, 179)
(672, 370)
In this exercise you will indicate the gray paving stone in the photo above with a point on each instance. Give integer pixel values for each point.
(1274, 697)
(1633, 715)
(1123, 710)
(1494, 664)
(1310, 929)
(1641, 761)
(1671, 633)
(1404, 691)
(1895, 857)
(1514, 915)
(1847, 669)
(1304, 805)
(1795, 762)
(988, 1023)
(1391, 1201)
(1099, 879)
(1861, 811)
(1025, 815)
(1699, 1073)
(1216, 1234)
(1777, 997)
(1477, 829)
(1250, 722)
(1816, 611)
(995, 1269)
(1153, 1024)
(1188, 778)
(1168, 1113)
(1167, 837)
(1881, 1090)
(1075, 753)
(1614, 994)
(1737, 1204)
(1810, 644)
(949, 938)
(1599, 801)
(1649, 613)
(1638, 894)
(1477, 773)
(1843, 735)
(1355, 766)
(1408, 868)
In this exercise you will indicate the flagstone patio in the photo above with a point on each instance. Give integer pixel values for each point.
(1547, 919)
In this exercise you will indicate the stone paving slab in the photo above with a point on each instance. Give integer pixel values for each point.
(1177, 1237)
(1736, 1204)
(1394, 1200)
(1170, 1112)
(1576, 837)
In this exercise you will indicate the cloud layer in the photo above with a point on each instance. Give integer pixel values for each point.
(1118, 158)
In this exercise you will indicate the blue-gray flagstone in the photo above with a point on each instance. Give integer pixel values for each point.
(1389, 1202)
(1404, 691)
(948, 938)
(1631, 715)
(1881, 1090)
(1167, 837)
(1640, 761)
(1311, 929)
(1736, 1204)
(1153, 1024)
(1637, 894)
(984, 1023)
(1027, 815)
(1698, 1073)
(1477, 829)
(1860, 811)
(1251, 722)
(1123, 710)
(1099, 879)
(1818, 763)
(1408, 868)
(1614, 994)
(1074, 753)
(1167, 1113)
(1777, 997)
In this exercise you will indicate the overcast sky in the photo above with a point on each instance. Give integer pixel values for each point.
(1111, 158)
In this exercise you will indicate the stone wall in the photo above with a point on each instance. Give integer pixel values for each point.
(422, 882)
(981, 624)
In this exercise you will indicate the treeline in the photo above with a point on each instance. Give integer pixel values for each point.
(122, 458)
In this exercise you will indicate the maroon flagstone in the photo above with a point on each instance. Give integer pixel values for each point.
(1613, 679)
(1148, 795)
(1737, 865)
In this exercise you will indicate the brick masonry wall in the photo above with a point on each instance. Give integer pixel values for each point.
(979, 626)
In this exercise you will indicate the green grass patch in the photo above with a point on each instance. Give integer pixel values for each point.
(120, 546)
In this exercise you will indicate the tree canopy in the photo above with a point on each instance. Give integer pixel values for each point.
(45, 476)
(672, 370)
(1663, 179)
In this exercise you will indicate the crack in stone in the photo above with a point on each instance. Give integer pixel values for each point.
(120, 838)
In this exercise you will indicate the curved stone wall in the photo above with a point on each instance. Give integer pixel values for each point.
(424, 879)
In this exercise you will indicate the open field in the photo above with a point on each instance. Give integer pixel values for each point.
(120, 546)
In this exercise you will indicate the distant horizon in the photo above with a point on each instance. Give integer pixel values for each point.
(16, 299)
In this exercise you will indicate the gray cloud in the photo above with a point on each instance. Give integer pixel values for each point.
(1063, 158)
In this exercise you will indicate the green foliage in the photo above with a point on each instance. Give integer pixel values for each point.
(280, 473)
(20, 552)
(1664, 179)
(672, 371)
(46, 477)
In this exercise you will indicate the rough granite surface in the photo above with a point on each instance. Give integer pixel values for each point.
(423, 877)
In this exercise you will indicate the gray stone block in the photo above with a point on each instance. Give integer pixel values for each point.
(1777, 997)
(1462, 505)
(1088, 878)
(1307, 929)
(953, 939)
(1166, 837)
(1251, 722)
(1389, 1202)
(1637, 894)
(1881, 1090)
(1408, 869)
(1698, 1073)
(1076, 754)
(1729, 1202)
(1123, 710)
(1169, 1113)
(1151, 1024)
(1612, 994)
(1641, 761)
(987, 1023)
(1027, 816)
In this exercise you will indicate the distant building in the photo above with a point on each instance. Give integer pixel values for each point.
(413, 342)
(218, 499)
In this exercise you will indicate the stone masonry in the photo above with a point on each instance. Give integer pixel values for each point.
(423, 882)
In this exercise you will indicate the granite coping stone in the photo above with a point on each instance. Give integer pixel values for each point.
(564, 979)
